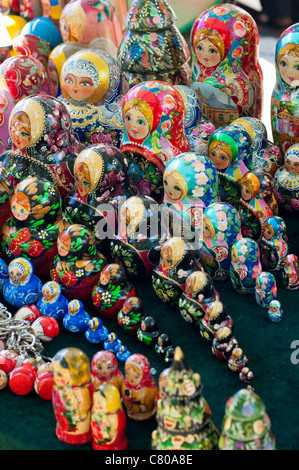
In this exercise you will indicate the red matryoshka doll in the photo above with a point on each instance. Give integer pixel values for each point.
(72, 396)
(108, 419)
(78, 264)
(104, 369)
(284, 100)
(225, 71)
(35, 223)
(154, 133)
(137, 244)
(111, 291)
(26, 9)
(177, 261)
(274, 244)
(245, 265)
(286, 181)
(30, 45)
(139, 389)
(290, 274)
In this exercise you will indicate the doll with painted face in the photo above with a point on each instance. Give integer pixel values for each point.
(76, 320)
(131, 315)
(149, 332)
(285, 95)
(290, 273)
(52, 303)
(275, 312)
(22, 287)
(286, 180)
(104, 370)
(265, 289)
(224, 343)
(274, 244)
(215, 317)
(225, 69)
(245, 265)
(78, 265)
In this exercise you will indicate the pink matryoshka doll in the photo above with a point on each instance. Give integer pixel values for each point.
(7, 102)
(139, 389)
(290, 274)
(154, 133)
(104, 369)
(226, 71)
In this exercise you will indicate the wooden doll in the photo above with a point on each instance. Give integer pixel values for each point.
(76, 320)
(265, 290)
(104, 370)
(139, 388)
(274, 244)
(112, 343)
(223, 343)
(96, 331)
(7, 104)
(245, 265)
(286, 180)
(163, 344)
(290, 273)
(52, 303)
(3, 273)
(30, 46)
(108, 419)
(22, 287)
(131, 315)
(275, 312)
(72, 396)
(237, 360)
(215, 317)
(148, 332)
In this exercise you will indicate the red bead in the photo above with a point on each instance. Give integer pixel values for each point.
(21, 380)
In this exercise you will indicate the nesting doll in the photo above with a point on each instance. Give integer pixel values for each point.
(131, 315)
(290, 273)
(96, 331)
(245, 265)
(22, 287)
(90, 83)
(105, 370)
(148, 332)
(177, 261)
(78, 264)
(237, 360)
(274, 244)
(230, 149)
(72, 396)
(275, 312)
(154, 133)
(265, 289)
(52, 303)
(123, 353)
(51, 9)
(286, 180)
(112, 343)
(223, 343)
(76, 320)
(35, 223)
(285, 95)
(111, 290)
(3, 273)
(44, 28)
(215, 317)
(139, 388)
(199, 293)
(7, 103)
(225, 69)
(137, 244)
(30, 45)
(221, 229)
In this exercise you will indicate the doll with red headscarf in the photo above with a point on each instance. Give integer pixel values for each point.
(104, 369)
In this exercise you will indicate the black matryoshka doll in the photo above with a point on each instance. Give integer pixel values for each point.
(215, 317)
(223, 343)
(111, 291)
(78, 264)
(148, 332)
(137, 244)
(274, 244)
(131, 315)
(35, 223)
(177, 261)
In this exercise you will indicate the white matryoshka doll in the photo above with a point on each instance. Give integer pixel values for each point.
(245, 265)
(225, 70)
(274, 244)
(285, 95)
(22, 287)
(286, 181)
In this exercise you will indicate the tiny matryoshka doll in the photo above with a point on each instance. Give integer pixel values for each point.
(96, 331)
(137, 243)
(104, 369)
(131, 315)
(286, 180)
(139, 389)
(72, 396)
(290, 273)
(76, 319)
(223, 343)
(265, 289)
(78, 264)
(274, 244)
(245, 265)
(163, 345)
(221, 229)
(225, 70)
(199, 293)
(237, 360)
(215, 317)
(154, 133)
(177, 261)
(148, 332)
(285, 94)
(275, 312)
(52, 303)
(111, 290)
(22, 287)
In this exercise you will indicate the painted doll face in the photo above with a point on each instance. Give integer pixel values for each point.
(104, 368)
(79, 88)
(267, 232)
(245, 193)
(273, 308)
(62, 375)
(207, 233)
(82, 179)
(166, 260)
(234, 254)
(292, 165)
(136, 124)
(64, 29)
(220, 158)
(20, 210)
(104, 277)
(207, 53)
(62, 247)
(3, 379)
(20, 132)
(133, 375)
(289, 68)
(15, 275)
(47, 293)
(172, 188)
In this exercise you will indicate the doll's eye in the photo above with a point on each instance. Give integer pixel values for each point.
(128, 118)
(212, 51)
(212, 154)
(199, 48)
(283, 63)
(86, 83)
(141, 122)
(85, 183)
(296, 67)
(177, 188)
(223, 157)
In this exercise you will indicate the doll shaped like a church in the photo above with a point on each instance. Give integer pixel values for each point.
(131, 314)
(78, 264)
(245, 265)
(105, 370)
(290, 272)
(225, 69)
(22, 287)
(52, 303)
(274, 244)
(286, 180)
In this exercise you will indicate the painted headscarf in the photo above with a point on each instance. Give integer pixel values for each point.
(142, 363)
(266, 285)
(7, 103)
(55, 290)
(246, 258)
(182, 259)
(286, 181)
(26, 268)
(104, 356)
(30, 45)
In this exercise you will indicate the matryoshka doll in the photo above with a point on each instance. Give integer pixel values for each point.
(286, 180)
(223, 343)
(30, 45)
(285, 94)
(215, 317)
(52, 303)
(221, 229)
(72, 396)
(199, 293)
(237, 360)
(265, 289)
(154, 133)
(137, 244)
(104, 370)
(111, 290)
(22, 287)
(35, 223)
(90, 82)
(275, 312)
(225, 69)
(78, 264)
(139, 389)
(131, 315)
(76, 319)
(274, 244)
(148, 332)
(7, 103)
(245, 265)
(290, 273)
(50, 9)
(177, 261)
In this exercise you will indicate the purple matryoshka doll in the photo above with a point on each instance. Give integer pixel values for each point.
(78, 264)
(137, 243)
(290, 274)
(285, 95)
(30, 45)
(226, 72)
(35, 223)
(90, 82)
(274, 244)
(221, 229)
(154, 133)
(245, 265)
(286, 180)
(265, 289)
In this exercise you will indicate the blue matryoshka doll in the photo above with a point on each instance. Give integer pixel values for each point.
(22, 287)
(52, 303)
(3, 273)
(221, 229)
(275, 312)
(76, 319)
(274, 244)
(245, 265)
(265, 289)
(286, 180)
(285, 95)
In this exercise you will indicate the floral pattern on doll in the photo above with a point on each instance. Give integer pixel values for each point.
(245, 265)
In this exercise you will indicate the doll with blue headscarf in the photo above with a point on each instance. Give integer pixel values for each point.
(286, 181)
(245, 265)
(22, 287)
